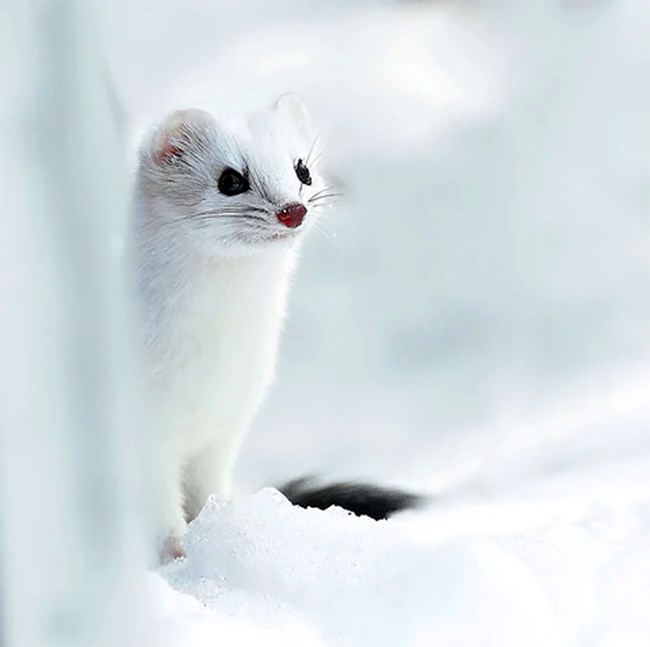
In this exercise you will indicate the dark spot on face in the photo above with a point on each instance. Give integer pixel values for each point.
(303, 172)
(232, 182)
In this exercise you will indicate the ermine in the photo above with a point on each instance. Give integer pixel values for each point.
(220, 209)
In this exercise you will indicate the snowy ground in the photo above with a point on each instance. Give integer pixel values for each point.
(540, 568)
(473, 325)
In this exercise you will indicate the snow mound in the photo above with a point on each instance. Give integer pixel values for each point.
(263, 570)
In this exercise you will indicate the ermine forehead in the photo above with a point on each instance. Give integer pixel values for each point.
(256, 143)
(259, 130)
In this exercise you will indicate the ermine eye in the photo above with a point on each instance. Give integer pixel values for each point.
(232, 183)
(303, 172)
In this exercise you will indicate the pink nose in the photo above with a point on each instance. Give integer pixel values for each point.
(292, 215)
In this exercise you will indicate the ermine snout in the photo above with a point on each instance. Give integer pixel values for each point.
(292, 215)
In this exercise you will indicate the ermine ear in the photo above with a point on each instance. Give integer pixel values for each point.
(180, 132)
(293, 111)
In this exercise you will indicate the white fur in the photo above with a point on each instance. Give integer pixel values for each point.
(212, 287)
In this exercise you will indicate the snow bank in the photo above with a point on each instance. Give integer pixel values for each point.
(267, 571)
(549, 566)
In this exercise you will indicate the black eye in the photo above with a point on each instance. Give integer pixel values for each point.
(303, 172)
(232, 183)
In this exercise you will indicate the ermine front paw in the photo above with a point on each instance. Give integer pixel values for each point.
(172, 549)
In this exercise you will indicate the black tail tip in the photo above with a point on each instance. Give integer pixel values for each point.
(362, 499)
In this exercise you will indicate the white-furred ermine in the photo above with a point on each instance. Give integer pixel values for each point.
(220, 208)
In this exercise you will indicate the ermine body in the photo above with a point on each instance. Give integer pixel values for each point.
(219, 211)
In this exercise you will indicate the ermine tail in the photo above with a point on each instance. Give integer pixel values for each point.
(362, 499)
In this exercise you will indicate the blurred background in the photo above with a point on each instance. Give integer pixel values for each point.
(479, 301)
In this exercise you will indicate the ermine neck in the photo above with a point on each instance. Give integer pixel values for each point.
(251, 282)
(192, 281)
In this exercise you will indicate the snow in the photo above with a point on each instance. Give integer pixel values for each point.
(526, 571)
(354, 581)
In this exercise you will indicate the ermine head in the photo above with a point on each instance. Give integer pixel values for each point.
(233, 187)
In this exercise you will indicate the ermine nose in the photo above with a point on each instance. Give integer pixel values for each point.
(292, 215)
